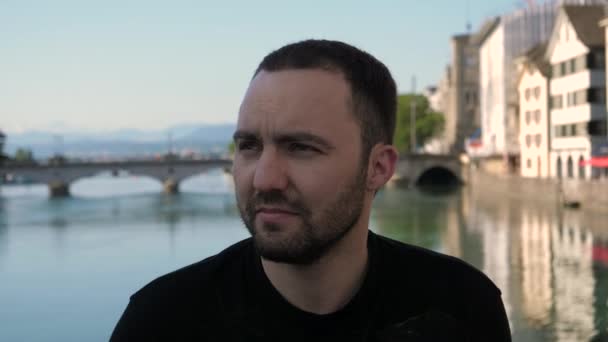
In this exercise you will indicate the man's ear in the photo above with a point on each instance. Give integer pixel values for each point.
(382, 163)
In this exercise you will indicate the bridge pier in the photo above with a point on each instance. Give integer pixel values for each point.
(171, 186)
(59, 189)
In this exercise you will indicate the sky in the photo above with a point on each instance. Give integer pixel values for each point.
(106, 65)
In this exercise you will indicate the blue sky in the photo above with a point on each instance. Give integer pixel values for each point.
(103, 65)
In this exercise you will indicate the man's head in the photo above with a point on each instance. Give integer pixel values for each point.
(313, 144)
(373, 93)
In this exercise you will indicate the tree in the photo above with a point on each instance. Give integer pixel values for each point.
(231, 148)
(428, 123)
(24, 155)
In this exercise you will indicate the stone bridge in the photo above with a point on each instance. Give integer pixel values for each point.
(428, 170)
(59, 176)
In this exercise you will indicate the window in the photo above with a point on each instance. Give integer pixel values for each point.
(537, 139)
(529, 163)
(537, 116)
(556, 70)
(596, 59)
(576, 98)
(555, 102)
(569, 100)
(572, 66)
(558, 167)
(536, 92)
(570, 167)
(596, 95)
(528, 140)
(581, 63)
(562, 68)
(581, 168)
(581, 97)
(527, 94)
(596, 127)
(528, 117)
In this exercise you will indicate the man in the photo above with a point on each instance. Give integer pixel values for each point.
(313, 146)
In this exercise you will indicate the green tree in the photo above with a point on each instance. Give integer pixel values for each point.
(24, 155)
(428, 123)
(231, 148)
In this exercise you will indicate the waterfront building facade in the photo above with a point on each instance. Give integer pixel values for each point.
(577, 100)
(533, 89)
(514, 34)
(462, 110)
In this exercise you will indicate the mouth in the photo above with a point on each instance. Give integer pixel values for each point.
(274, 215)
(275, 210)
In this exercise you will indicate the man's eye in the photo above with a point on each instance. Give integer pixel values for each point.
(247, 145)
(297, 147)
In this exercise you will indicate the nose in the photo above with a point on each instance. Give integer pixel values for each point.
(270, 172)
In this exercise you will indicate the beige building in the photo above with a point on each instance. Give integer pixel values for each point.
(577, 90)
(533, 89)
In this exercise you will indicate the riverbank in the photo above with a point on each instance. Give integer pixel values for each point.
(590, 194)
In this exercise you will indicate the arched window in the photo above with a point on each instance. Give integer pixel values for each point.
(581, 168)
(570, 167)
(558, 167)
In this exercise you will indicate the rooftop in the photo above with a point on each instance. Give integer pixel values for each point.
(585, 21)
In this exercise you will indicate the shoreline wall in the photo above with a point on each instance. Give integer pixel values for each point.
(592, 194)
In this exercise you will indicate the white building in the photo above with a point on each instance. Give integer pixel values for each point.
(511, 37)
(433, 95)
(577, 90)
(533, 88)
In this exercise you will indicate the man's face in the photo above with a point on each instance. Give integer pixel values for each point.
(299, 177)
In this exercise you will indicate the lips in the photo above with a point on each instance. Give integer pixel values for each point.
(276, 215)
(275, 211)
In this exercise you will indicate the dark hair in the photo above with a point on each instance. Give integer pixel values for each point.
(373, 90)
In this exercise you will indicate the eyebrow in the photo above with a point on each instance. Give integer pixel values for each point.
(287, 137)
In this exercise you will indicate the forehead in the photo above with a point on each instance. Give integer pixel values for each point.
(315, 100)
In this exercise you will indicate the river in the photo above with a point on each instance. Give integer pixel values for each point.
(67, 266)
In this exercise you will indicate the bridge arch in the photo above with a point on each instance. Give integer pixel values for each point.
(437, 176)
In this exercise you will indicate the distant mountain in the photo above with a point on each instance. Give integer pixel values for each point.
(210, 133)
(123, 142)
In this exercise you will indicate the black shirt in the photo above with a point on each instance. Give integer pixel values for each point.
(408, 294)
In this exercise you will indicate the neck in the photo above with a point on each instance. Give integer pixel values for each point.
(329, 283)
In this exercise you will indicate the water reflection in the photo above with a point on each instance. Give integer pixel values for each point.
(551, 265)
(536, 274)
(573, 279)
(3, 230)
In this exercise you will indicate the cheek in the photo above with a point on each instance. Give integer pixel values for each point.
(242, 181)
(320, 185)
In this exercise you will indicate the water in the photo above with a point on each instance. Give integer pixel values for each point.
(67, 266)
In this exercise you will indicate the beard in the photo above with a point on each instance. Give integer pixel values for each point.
(316, 232)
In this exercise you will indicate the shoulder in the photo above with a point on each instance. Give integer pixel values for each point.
(181, 305)
(195, 279)
(430, 269)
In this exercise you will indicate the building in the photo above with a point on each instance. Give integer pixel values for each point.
(533, 89)
(461, 105)
(513, 35)
(576, 53)
(433, 96)
(510, 37)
